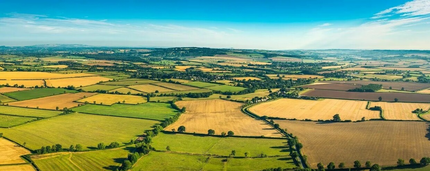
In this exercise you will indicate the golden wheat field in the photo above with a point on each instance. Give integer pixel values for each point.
(10, 89)
(400, 111)
(315, 109)
(38, 75)
(221, 116)
(182, 68)
(109, 99)
(24, 167)
(125, 90)
(148, 88)
(77, 82)
(175, 86)
(26, 83)
(52, 102)
(10, 152)
(381, 142)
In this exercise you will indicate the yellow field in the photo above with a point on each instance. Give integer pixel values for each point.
(109, 99)
(176, 86)
(180, 80)
(10, 152)
(38, 75)
(400, 111)
(126, 90)
(426, 91)
(426, 117)
(182, 68)
(314, 110)
(56, 66)
(10, 89)
(25, 167)
(51, 102)
(148, 88)
(77, 82)
(246, 78)
(294, 77)
(331, 67)
(26, 83)
(221, 116)
(204, 69)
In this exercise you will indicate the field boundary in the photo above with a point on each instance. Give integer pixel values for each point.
(220, 136)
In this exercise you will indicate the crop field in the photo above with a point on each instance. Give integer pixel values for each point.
(10, 89)
(26, 83)
(400, 111)
(5, 99)
(314, 110)
(163, 98)
(8, 121)
(37, 93)
(408, 86)
(246, 78)
(56, 66)
(19, 111)
(109, 99)
(380, 76)
(99, 87)
(10, 152)
(52, 102)
(426, 116)
(182, 68)
(38, 75)
(23, 167)
(126, 90)
(221, 116)
(156, 111)
(128, 82)
(71, 129)
(334, 86)
(77, 82)
(180, 80)
(175, 86)
(257, 93)
(55, 161)
(220, 145)
(285, 59)
(201, 84)
(388, 97)
(148, 88)
(381, 142)
(294, 77)
(155, 161)
(226, 88)
(426, 91)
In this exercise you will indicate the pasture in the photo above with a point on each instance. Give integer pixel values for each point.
(71, 129)
(400, 111)
(380, 142)
(20, 111)
(109, 99)
(5, 99)
(226, 88)
(8, 120)
(221, 116)
(178, 87)
(315, 110)
(201, 84)
(10, 152)
(220, 145)
(77, 82)
(37, 93)
(10, 89)
(149, 88)
(156, 111)
(99, 87)
(52, 102)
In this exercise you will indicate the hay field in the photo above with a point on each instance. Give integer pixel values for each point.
(99, 87)
(294, 77)
(26, 83)
(8, 121)
(52, 102)
(10, 152)
(178, 87)
(77, 82)
(10, 89)
(148, 88)
(19, 111)
(246, 78)
(400, 111)
(312, 109)
(71, 129)
(38, 75)
(126, 90)
(381, 142)
(24, 167)
(109, 99)
(221, 116)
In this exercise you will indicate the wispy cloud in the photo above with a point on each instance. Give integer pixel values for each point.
(412, 8)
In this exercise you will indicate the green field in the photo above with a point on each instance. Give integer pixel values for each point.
(99, 87)
(8, 121)
(71, 129)
(156, 161)
(20, 111)
(5, 99)
(226, 88)
(163, 98)
(157, 111)
(128, 82)
(411, 169)
(257, 93)
(220, 146)
(37, 93)
(56, 162)
(201, 84)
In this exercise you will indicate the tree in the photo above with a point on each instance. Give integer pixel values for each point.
(400, 162)
(412, 161)
(375, 167)
(101, 146)
(211, 132)
(78, 147)
(246, 154)
(230, 133)
(148, 98)
(396, 99)
(181, 129)
(320, 166)
(368, 164)
(403, 88)
(293, 154)
(391, 87)
(1, 135)
(71, 148)
(58, 147)
(357, 164)
(336, 118)
(126, 165)
(233, 152)
(342, 165)
(223, 134)
(331, 166)
(132, 157)
(183, 109)
(276, 126)
(425, 161)
(380, 98)
(168, 148)
(299, 146)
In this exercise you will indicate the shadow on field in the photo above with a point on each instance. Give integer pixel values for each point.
(268, 128)
(428, 132)
(116, 160)
(284, 158)
(129, 149)
(278, 147)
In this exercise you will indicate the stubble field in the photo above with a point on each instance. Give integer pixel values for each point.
(109, 99)
(77, 82)
(400, 111)
(52, 102)
(10, 152)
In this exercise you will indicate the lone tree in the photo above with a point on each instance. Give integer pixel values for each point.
(181, 129)
(223, 134)
(400, 162)
(211, 132)
(357, 164)
(425, 161)
(396, 99)
(342, 165)
(276, 126)
(375, 167)
(230, 133)
(412, 161)
(331, 166)
(320, 166)
(368, 164)
(380, 98)
(336, 118)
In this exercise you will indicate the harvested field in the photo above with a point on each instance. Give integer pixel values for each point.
(408, 86)
(128, 82)
(249, 96)
(72, 129)
(285, 59)
(7, 121)
(314, 110)
(388, 97)
(178, 87)
(52, 102)
(381, 142)
(23, 167)
(426, 91)
(201, 84)
(10, 152)
(294, 77)
(226, 88)
(334, 86)
(400, 111)
(37, 93)
(246, 78)
(126, 90)
(426, 116)
(221, 116)
(99, 87)
(10, 89)
(182, 68)
(38, 75)
(26, 83)
(380, 76)
(77, 82)
(331, 67)
(148, 88)
(56, 66)
(109, 99)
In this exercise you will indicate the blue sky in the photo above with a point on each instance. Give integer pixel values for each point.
(269, 24)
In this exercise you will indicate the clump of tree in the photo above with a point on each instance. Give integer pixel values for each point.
(336, 118)
(367, 88)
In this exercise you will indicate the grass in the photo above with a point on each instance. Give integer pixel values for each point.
(220, 146)
(71, 129)
(171, 161)
(109, 99)
(99, 87)
(56, 162)
(157, 111)
(226, 88)
(128, 82)
(163, 98)
(201, 84)
(8, 121)
(37, 93)
(19, 111)
(5, 99)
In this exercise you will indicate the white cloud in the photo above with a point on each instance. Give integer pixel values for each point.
(412, 8)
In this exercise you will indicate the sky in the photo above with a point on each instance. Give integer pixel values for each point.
(242, 24)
